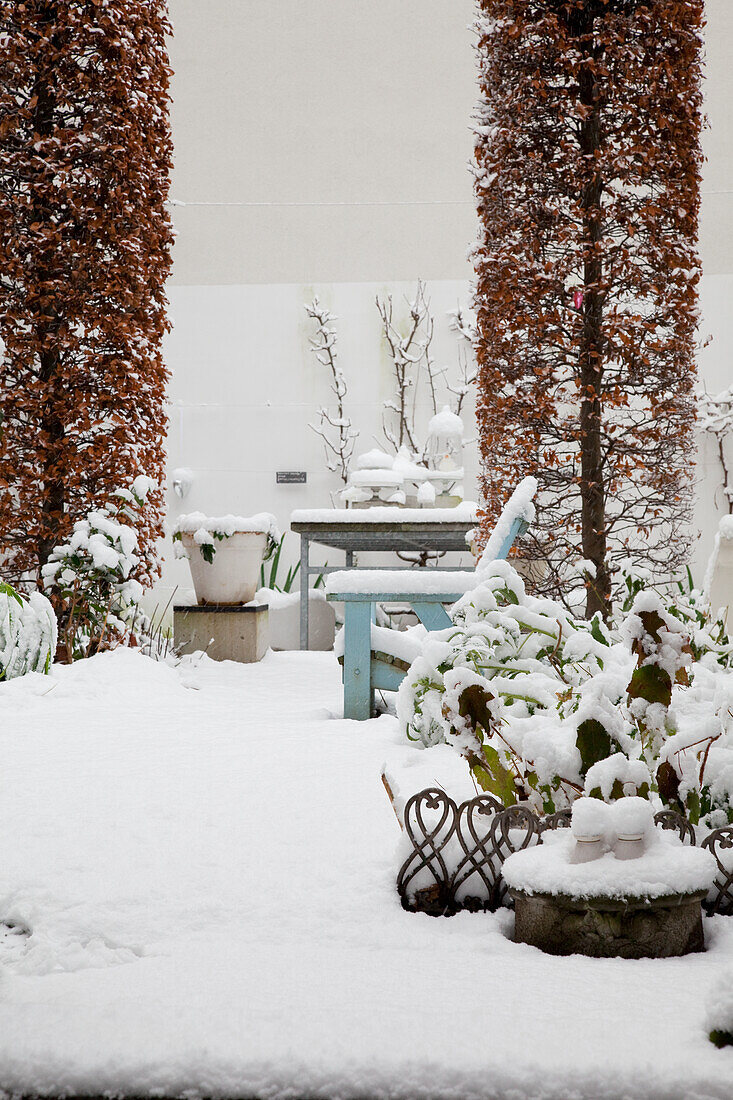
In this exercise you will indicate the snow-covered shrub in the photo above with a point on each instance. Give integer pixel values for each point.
(208, 530)
(92, 575)
(545, 707)
(28, 633)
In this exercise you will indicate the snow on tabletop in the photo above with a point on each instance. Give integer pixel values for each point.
(206, 860)
(666, 867)
(196, 523)
(465, 512)
(424, 582)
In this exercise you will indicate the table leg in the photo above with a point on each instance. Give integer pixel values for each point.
(304, 584)
(358, 694)
(349, 559)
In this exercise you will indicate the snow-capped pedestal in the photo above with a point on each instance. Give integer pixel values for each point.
(648, 907)
(223, 632)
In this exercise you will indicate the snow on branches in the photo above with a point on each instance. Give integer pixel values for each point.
(411, 359)
(587, 174)
(85, 240)
(334, 426)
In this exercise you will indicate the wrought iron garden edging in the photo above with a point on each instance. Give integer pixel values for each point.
(475, 837)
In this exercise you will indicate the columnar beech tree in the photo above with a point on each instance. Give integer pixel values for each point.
(85, 242)
(587, 180)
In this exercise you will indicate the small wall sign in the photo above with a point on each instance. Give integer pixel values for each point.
(290, 477)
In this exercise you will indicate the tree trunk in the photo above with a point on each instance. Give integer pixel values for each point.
(590, 358)
(52, 428)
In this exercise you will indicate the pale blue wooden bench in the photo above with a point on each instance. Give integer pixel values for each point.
(365, 668)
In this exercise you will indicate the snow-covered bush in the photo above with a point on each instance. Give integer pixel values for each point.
(92, 575)
(545, 707)
(28, 633)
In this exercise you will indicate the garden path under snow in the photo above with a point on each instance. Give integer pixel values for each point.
(205, 857)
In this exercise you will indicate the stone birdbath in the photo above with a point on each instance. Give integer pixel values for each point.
(614, 885)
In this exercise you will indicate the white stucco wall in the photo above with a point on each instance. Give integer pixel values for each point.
(323, 147)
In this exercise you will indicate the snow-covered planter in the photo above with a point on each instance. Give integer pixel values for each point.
(225, 553)
(28, 633)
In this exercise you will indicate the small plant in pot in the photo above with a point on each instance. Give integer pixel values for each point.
(225, 553)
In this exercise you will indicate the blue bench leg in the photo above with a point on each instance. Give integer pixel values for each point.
(433, 616)
(358, 693)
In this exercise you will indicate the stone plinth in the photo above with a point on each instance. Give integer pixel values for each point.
(224, 632)
(627, 928)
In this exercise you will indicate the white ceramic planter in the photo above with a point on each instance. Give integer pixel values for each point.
(233, 576)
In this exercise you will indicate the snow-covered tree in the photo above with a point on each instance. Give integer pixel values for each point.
(334, 427)
(85, 241)
(587, 181)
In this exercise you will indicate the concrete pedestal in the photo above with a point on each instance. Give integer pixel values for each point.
(632, 928)
(223, 632)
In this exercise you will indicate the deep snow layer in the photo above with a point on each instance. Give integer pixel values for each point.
(205, 857)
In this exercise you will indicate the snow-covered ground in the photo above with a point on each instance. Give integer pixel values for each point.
(205, 857)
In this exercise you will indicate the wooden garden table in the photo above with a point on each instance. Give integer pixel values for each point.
(377, 529)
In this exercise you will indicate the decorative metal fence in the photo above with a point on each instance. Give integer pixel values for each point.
(458, 851)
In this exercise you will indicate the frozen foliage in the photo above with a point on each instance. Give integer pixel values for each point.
(666, 867)
(545, 707)
(94, 574)
(28, 633)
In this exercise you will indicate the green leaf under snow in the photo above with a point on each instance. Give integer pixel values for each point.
(495, 778)
(593, 742)
(652, 683)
